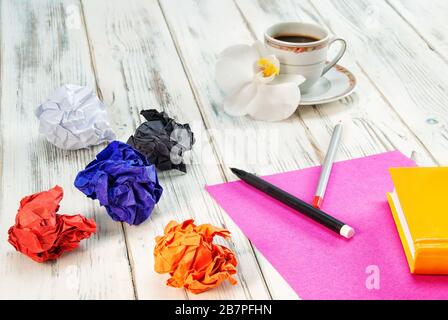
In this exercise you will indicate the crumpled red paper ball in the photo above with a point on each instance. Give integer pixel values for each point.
(41, 233)
(187, 253)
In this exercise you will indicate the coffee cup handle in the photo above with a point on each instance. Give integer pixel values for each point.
(335, 60)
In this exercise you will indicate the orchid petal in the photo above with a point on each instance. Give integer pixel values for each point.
(238, 104)
(284, 78)
(235, 68)
(274, 102)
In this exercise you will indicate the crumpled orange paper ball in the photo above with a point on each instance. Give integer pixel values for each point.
(41, 233)
(187, 253)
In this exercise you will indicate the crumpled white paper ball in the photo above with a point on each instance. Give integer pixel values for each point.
(251, 81)
(74, 118)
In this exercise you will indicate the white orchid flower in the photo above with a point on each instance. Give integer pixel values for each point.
(251, 80)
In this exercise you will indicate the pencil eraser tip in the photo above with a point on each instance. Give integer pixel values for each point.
(347, 231)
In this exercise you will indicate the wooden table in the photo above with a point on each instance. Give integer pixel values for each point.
(145, 53)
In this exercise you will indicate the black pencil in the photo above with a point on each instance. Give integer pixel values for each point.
(295, 203)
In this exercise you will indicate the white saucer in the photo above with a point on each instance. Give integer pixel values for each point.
(336, 84)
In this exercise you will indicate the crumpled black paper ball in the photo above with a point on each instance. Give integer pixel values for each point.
(162, 140)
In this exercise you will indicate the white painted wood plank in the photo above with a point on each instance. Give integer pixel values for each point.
(429, 20)
(370, 124)
(124, 54)
(399, 63)
(138, 67)
(202, 29)
(39, 53)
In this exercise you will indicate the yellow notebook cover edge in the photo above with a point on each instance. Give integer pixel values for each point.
(401, 233)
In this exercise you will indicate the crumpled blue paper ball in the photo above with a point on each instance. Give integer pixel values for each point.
(124, 182)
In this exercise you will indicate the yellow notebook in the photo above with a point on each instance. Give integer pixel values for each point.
(419, 206)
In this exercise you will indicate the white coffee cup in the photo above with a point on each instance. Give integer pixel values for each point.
(306, 58)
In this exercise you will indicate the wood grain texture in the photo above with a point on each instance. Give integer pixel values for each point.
(161, 54)
(370, 124)
(201, 30)
(138, 67)
(399, 63)
(40, 53)
(428, 19)
(373, 126)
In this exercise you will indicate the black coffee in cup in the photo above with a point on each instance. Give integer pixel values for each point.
(296, 38)
(302, 48)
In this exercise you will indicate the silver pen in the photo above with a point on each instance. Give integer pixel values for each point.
(327, 165)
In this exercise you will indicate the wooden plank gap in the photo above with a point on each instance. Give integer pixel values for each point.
(207, 125)
(387, 101)
(100, 96)
(245, 20)
(89, 43)
(194, 91)
(389, 104)
(419, 34)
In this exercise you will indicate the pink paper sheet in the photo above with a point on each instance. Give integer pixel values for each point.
(317, 263)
